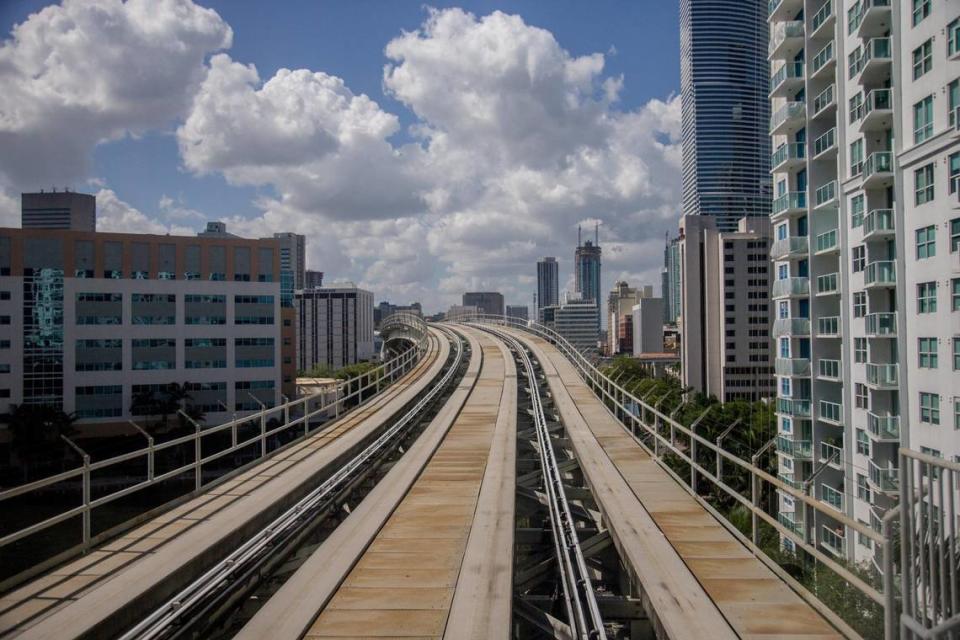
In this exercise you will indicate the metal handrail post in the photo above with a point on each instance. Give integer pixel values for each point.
(86, 490)
(150, 451)
(890, 609)
(719, 443)
(286, 409)
(755, 495)
(197, 463)
(263, 424)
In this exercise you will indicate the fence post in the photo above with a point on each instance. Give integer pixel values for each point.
(150, 451)
(890, 606)
(86, 490)
(263, 424)
(197, 467)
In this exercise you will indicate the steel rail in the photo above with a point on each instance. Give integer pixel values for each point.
(583, 612)
(254, 550)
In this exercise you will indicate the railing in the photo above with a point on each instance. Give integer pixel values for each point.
(881, 324)
(792, 366)
(879, 221)
(791, 287)
(831, 496)
(883, 376)
(882, 272)
(826, 194)
(825, 142)
(796, 407)
(834, 540)
(822, 15)
(789, 151)
(791, 70)
(292, 414)
(878, 162)
(823, 99)
(791, 245)
(886, 479)
(878, 100)
(929, 548)
(792, 200)
(883, 427)
(789, 111)
(659, 434)
(823, 56)
(797, 327)
(876, 49)
(831, 453)
(800, 449)
(828, 326)
(784, 30)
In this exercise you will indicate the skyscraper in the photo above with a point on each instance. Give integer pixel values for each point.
(587, 270)
(293, 249)
(58, 210)
(724, 77)
(548, 283)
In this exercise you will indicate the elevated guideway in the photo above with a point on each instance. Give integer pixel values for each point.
(110, 588)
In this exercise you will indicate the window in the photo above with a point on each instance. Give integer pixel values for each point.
(955, 294)
(859, 304)
(953, 166)
(784, 347)
(930, 408)
(955, 235)
(856, 211)
(785, 387)
(922, 59)
(921, 9)
(859, 349)
(956, 354)
(863, 488)
(927, 297)
(923, 184)
(859, 258)
(926, 242)
(863, 442)
(923, 120)
(861, 400)
(953, 101)
(956, 420)
(953, 37)
(927, 353)
(856, 158)
(856, 102)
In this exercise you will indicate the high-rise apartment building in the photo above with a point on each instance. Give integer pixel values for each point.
(334, 326)
(647, 330)
(312, 279)
(93, 323)
(518, 311)
(867, 242)
(725, 316)
(293, 256)
(548, 282)
(488, 302)
(575, 320)
(58, 210)
(587, 271)
(723, 78)
(670, 289)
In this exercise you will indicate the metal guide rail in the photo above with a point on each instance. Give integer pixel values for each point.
(583, 612)
(202, 595)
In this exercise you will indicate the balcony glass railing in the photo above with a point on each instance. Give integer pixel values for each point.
(828, 283)
(826, 194)
(791, 407)
(788, 201)
(827, 241)
(787, 478)
(885, 427)
(884, 478)
(784, 30)
(831, 452)
(886, 376)
(831, 496)
(833, 541)
(789, 111)
(878, 162)
(829, 369)
(789, 520)
(879, 222)
(792, 366)
(883, 272)
(802, 449)
(791, 287)
(823, 56)
(878, 100)
(791, 151)
(789, 71)
(821, 16)
(831, 411)
(828, 326)
(881, 324)
(876, 49)
(825, 142)
(823, 100)
(772, 6)
(791, 246)
(796, 327)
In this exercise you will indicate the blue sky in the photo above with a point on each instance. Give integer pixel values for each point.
(639, 40)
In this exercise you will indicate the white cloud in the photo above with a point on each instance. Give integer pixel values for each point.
(86, 71)
(115, 215)
(516, 141)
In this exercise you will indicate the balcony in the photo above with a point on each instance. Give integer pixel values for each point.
(791, 521)
(796, 408)
(786, 39)
(790, 247)
(883, 376)
(831, 496)
(828, 327)
(787, 478)
(823, 21)
(878, 170)
(885, 428)
(787, 80)
(826, 196)
(833, 542)
(875, 63)
(879, 223)
(779, 10)
(831, 412)
(789, 118)
(792, 366)
(795, 327)
(881, 325)
(827, 242)
(788, 156)
(877, 110)
(884, 479)
(825, 145)
(881, 274)
(824, 62)
(799, 449)
(791, 287)
(874, 18)
(829, 369)
(789, 205)
(825, 103)
(831, 454)
(828, 284)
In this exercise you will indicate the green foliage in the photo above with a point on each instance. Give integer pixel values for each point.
(349, 371)
(37, 428)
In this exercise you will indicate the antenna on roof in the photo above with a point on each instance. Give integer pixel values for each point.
(579, 235)
(596, 231)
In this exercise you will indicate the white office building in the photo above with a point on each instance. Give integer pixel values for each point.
(334, 326)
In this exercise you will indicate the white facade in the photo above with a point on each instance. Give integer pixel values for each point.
(575, 320)
(866, 262)
(334, 326)
(647, 326)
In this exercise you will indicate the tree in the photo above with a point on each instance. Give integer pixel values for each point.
(37, 431)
